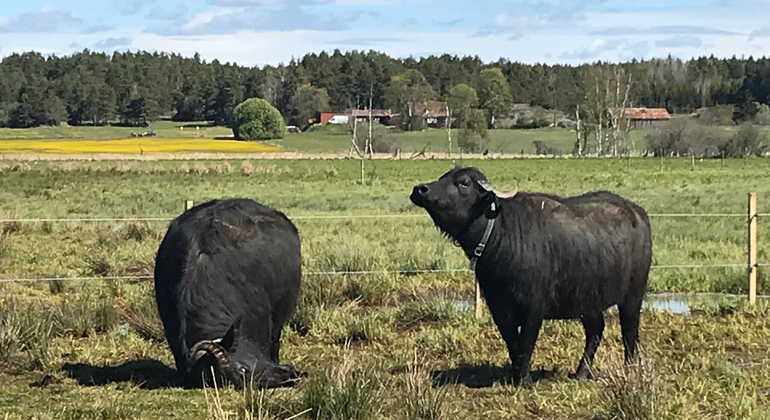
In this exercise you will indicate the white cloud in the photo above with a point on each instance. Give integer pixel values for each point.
(681, 41)
(178, 13)
(132, 7)
(96, 29)
(290, 17)
(759, 33)
(111, 44)
(541, 16)
(599, 47)
(661, 30)
(45, 19)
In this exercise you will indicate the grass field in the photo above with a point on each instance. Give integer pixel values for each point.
(705, 365)
(134, 145)
(162, 129)
(331, 139)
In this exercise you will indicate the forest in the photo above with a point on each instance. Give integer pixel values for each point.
(132, 88)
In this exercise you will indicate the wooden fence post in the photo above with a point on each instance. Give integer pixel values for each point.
(752, 263)
(478, 299)
(188, 204)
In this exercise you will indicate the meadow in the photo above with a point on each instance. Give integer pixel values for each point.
(383, 345)
(85, 139)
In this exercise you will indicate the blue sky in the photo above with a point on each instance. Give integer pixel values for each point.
(258, 32)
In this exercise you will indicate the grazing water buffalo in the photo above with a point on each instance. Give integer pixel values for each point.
(539, 256)
(227, 277)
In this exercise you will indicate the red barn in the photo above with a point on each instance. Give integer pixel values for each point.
(645, 116)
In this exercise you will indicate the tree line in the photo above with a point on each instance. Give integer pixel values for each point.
(132, 88)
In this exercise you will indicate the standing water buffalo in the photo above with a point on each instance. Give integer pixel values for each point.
(227, 277)
(539, 256)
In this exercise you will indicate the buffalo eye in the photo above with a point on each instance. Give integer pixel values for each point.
(464, 184)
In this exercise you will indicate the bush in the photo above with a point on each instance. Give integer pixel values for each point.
(685, 137)
(532, 123)
(747, 141)
(717, 115)
(256, 119)
(383, 141)
(471, 142)
(476, 122)
(542, 149)
(763, 116)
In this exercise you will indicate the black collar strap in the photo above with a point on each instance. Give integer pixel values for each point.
(482, 244)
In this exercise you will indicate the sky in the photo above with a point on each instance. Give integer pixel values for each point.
(260, 32)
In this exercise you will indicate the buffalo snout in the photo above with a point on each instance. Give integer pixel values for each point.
(420, 194)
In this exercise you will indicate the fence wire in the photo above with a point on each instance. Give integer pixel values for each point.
(352, 273)
(321, 217)
(342, 273)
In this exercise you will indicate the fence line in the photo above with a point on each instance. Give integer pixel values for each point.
(317, 217)
(751, 217)
(347, 273)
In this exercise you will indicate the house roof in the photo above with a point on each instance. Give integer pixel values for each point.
(646, 114)
(376, 113)
(431, 109)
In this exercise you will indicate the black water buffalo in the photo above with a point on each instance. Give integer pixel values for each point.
(539, 256)
(227, 278)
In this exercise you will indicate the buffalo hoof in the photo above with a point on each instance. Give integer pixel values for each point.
(289, 375)
(523, 382)
(581, 375)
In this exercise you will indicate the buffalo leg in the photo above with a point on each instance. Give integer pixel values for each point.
(508, 328)
(594, 328)
(275, 342)
(530, 328)
(629, 327)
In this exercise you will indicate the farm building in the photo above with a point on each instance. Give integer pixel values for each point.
(382, 116)
(333, 118)
(434, 113)
(640, 117)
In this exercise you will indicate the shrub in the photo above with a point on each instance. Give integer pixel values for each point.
(476, 122)
(471, 142)
(256, 119)
(685, 137)
(542, 149)
(531, 123)
(383, 141)
(763, 116)
(747, 141)
(717, 115)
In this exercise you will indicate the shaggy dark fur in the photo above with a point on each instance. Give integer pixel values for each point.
(228, 270)
(548, 257)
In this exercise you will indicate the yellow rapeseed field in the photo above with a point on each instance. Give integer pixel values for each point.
(134, 146)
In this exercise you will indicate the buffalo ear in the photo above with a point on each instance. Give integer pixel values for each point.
(229, 339)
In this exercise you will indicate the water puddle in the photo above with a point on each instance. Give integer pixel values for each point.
(664, 304)
(676, 303)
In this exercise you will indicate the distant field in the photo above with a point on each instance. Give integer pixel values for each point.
(134, 145)
(435, 140)
(162, 129)
(331, 139)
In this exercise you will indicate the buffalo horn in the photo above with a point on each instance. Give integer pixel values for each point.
(208, 346)
(508, 194)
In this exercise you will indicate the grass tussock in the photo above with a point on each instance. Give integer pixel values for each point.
(114, 408)
(637, 392)
(422, 401)
(343, 393)
(431, 310)
(141, 314)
